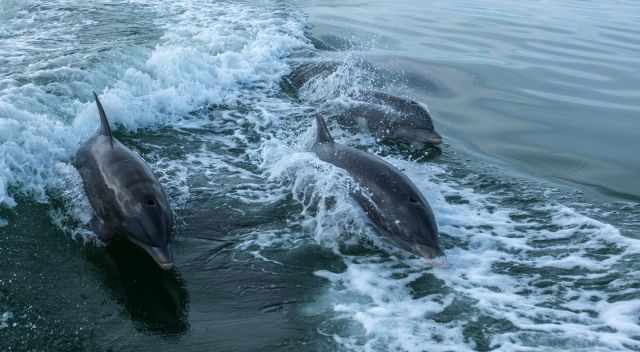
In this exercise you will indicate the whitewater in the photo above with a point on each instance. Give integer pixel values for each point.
(195, 88)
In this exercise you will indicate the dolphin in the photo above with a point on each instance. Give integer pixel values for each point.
(126, 197)
(392, 202)
(391, 119)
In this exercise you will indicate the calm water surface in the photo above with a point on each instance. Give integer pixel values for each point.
(535, 192)
(548, 87)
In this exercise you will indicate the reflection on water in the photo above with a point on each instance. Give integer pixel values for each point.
(155, 298)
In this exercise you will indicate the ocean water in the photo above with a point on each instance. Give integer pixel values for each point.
(535, 191)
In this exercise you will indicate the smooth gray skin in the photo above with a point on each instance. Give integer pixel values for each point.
(126, 197)
(393, 120)
(389, 118)
(393, 203)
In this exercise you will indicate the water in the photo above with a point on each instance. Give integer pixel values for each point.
(534, 190)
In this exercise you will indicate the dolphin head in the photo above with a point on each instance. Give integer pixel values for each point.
(410, 223)
(149, 224)
(418, 138)
(412, 124)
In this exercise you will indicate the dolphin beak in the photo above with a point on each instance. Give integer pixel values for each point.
(435, 256)
(436, 140)
(163, 256)
(433, 138)
(428, 252)
(425, 139)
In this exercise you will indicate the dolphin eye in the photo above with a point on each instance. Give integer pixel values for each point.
(413, 200)
(150, 202)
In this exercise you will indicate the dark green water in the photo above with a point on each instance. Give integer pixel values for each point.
(535, 191)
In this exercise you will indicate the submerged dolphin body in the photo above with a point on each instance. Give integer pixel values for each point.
(391, 119)
(393, 203)
(308, 71)
(126, 197)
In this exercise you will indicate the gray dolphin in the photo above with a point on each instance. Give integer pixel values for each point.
(126, 197)
(391, 119)
(393, 203)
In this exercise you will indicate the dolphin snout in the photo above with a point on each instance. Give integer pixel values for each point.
(163, 256)
(427, 251)
(418, 139)
(429, 138)
(436, 140)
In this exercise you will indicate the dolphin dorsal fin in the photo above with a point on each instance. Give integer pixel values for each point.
(322, 134)
(105, 129)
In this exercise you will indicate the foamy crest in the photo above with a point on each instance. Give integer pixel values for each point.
(374, 294)
(322, 189)
(5, 319)
(351, 77)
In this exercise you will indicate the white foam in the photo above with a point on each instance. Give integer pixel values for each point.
(622, 316)
(256, 243)
(376, 296)
(338, 87)
(4, 320)
(322, 190)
